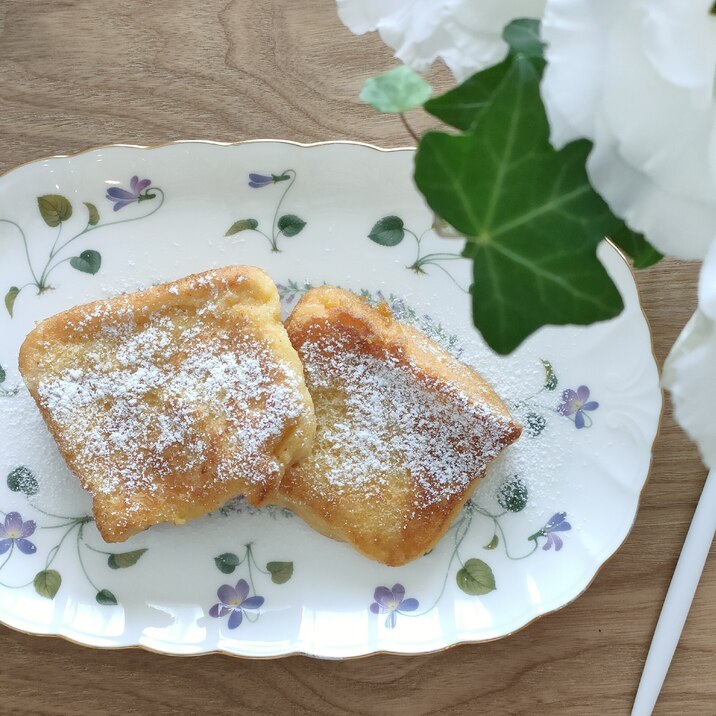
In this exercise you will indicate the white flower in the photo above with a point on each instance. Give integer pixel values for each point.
(637, 78)
(690, 370)
(465, 34)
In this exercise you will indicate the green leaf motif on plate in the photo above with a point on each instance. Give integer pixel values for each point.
(92, 214)
(281, 572)
(242, 225)
(47, 583)
(476, 578)
(492, 544)
(3, 374)
(10, 297)
(105, 597)
(22, 479)
(290, 225)
(123, 560)
(54, 209)
(550, 378)
(388, 231)
(227, 562)
(398, 90)
(513, 494)
(535, 424)
(88, 261)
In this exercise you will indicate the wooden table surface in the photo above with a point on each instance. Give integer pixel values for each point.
(75, 74)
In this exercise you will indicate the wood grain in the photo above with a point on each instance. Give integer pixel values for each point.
(75, 74)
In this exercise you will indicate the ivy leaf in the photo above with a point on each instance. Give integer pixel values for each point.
(88, 262)
(550, 378)
(105, 597)
(476, 578)
(513, 494)
(54, 209)
(398, 90)
(92, 218)
(531, 218)
(461, 107)
(523, 38)
(22, 479)
(290, 225)
(388, 231)
(242, 225)
(47, 583)
(227, 562)
(281, 572)
(634, 245)
(493, 542)
(122, 560)
(10, 297)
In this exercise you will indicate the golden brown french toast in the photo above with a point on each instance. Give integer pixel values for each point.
(168, 402)
(404, 430)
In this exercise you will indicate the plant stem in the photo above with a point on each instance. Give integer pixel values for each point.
(89, 228)
(459, 537)
(248, 560)
(253, 559)
(274, 233)
(27, 250)
(408, 128)
(13, 586)
(85, 518)
(498, 527)
(55, 550)
(9, 554)
(79, 556)
(57, 238)
(50, 270)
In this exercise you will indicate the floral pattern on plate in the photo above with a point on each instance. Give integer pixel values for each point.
(516, 551)
(55, 211)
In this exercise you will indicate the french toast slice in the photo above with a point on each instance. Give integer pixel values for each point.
(168, 402)
(404, 430)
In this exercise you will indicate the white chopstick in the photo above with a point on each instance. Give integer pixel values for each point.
(678, 599)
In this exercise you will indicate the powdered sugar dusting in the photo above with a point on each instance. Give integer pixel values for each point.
(388, 423)
(169, 397)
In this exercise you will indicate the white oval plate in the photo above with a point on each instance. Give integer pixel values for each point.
(552, 510)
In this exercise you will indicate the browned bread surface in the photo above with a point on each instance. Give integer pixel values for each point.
(404, 430)
(168, 402)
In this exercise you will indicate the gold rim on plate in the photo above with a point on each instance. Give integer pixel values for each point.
(468, 642)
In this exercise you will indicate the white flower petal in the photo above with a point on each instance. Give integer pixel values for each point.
(465, 34)
(689, 64)
(674, 224)
(576, 45)
(690, 370)
(364, 15)
(707, 285)
(621, 74)
(690, 375)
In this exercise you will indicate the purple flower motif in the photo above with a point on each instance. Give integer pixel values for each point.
(256, 181)
(392, 602)
(235, 601)
(15, 532)
(122, 197)
(557, 523)
(575, 403)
